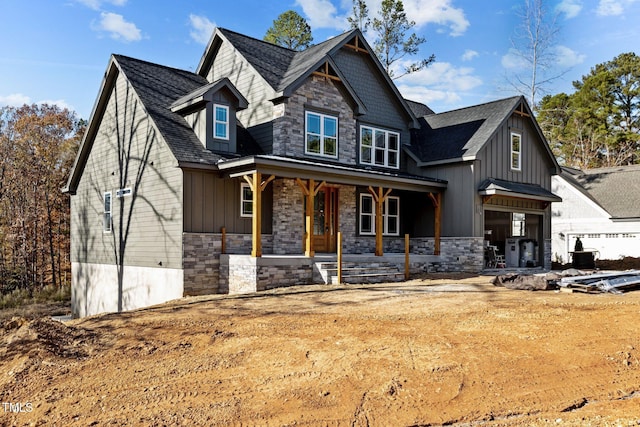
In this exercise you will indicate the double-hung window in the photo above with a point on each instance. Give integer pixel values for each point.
(379, 147)
(220, 121)
(246, 200)
(390, 215)
(516, 147)
(106, 219)
(321, 134)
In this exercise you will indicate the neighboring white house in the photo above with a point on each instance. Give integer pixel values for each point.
(602, 207)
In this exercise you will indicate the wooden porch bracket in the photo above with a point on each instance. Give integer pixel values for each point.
(309, 189)
(257, 186)
(379, 198)
(436, 200)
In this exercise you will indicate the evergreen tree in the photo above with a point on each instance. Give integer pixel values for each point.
(290, 30)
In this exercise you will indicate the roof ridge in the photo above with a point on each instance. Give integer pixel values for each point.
(257, 39)
(167, 67)
(480, 105)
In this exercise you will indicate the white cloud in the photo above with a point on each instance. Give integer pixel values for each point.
(570, 8)
(429, 96)
(439, 12)
(567, 57)
(323, 14)
(59, 102)
(441, 81)
(118, 28)
(201, 28)
(613, 7)
(18, 100)
(15, 100)
(513, 60)
(97, 4)
(469, 54)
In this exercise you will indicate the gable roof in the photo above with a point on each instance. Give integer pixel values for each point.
(419, 109)
(197, 97)
(615, 189)
(157, 87)
(460, 135)
(285, 69)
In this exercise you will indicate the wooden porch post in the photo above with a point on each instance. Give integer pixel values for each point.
(257, 187)
(437, 203)
(379, 197)
(309, 190)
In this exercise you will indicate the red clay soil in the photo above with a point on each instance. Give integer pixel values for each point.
(425, 352)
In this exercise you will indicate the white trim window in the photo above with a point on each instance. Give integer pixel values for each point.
(516, 151)
(220, 121)
(379, 147)
(106, 218)
(321, 134)
(123, 192)
(246, 200)
(390, 215)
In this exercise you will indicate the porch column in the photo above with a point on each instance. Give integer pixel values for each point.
(310, 189)
(379, 198)
(437, 204)
(257, 187)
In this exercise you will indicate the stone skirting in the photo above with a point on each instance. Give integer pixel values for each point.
(207, 271)
(246, 274)
(201, 259)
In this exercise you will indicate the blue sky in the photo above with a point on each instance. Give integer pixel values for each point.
(57, 51)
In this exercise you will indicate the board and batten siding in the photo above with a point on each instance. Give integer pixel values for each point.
(495, 157)
(211, 202)
(154, 234)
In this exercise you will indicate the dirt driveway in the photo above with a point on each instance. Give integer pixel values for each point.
(425, 352)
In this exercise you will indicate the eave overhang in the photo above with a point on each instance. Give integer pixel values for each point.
(304, 169)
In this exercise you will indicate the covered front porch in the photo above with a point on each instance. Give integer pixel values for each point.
(312, 203)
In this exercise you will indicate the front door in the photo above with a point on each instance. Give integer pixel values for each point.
(325, 220)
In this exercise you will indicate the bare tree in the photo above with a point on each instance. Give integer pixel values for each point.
(533, 44)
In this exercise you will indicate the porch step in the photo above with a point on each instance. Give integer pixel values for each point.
(353, 272)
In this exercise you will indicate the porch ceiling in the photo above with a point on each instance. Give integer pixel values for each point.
(284, 167)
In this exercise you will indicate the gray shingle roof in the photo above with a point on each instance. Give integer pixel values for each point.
(419, 109)
(460, 133)
(158, 88)
(615, 189)
(270, 60)
(500, 186)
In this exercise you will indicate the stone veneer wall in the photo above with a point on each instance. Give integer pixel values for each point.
(201, 259)
(289, 130)
(246, 274)
(288, 217)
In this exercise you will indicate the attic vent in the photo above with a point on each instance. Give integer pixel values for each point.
(356, 45)
(327, 72)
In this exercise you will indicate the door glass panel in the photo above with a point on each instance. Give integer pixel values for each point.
(318, 213)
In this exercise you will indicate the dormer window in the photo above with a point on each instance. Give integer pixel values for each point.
(321, 135)
(220, 121)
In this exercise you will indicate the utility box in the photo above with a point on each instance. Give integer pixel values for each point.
(512, 252)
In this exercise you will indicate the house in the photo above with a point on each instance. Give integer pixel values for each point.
(599, 206)
(241, 176)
